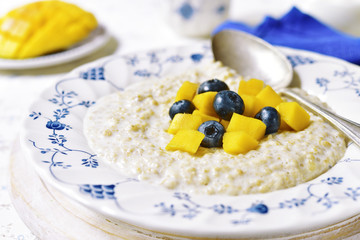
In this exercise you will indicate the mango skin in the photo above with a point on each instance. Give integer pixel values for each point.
(43, 27)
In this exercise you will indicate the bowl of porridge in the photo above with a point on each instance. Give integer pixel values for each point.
(99, 135)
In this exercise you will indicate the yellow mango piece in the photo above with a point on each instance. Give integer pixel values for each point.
(9, 47)
(251, 87)
(252, 126)
(205, 117)
(252, 105)
(204, 103)
(283, 124)
(258, 105)
(294, 115)
(269, 97)
(17, 28)
(184, 121)
(238, 142)
(187, 91)
(224, 123)
(186, 140)
(43, 27)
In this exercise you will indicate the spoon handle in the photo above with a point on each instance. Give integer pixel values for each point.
(349, 128)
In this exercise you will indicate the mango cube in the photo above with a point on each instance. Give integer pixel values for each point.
(184, 121)
(269, 97)
(225, 123)
(283, 125)
(186, 140)
(294, 115)
(252, 105)
(204, 103)
(252, 126)
(250, 87)
(204, 116)
(187, 91)
(238, 142)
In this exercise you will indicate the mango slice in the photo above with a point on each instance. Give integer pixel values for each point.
(43, 27)
(184, 121)
(294, 115)
(238, 142)
(251, 87)
(186, 140)
(269, 97)
(252, 126)
(204, 103)
(187, 91)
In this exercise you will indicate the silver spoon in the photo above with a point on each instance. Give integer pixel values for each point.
(253, 57)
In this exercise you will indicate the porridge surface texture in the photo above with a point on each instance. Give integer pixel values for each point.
(128, 129)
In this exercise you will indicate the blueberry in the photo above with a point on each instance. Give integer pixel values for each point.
(213, 85)
(271, 118)
(182, 106)
(226, 103)
(214, 132)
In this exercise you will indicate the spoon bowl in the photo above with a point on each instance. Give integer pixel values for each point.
(254, 58)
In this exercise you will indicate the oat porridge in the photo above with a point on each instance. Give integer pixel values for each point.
(128, 129)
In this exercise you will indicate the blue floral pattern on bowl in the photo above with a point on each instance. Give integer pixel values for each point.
(52, 135)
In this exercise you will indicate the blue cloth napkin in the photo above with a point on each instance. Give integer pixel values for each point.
(302, 31)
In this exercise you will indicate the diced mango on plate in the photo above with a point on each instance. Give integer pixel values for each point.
(238, 142)
(186, 140)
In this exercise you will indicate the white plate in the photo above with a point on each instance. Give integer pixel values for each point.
(52, 136)
(98, 38)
